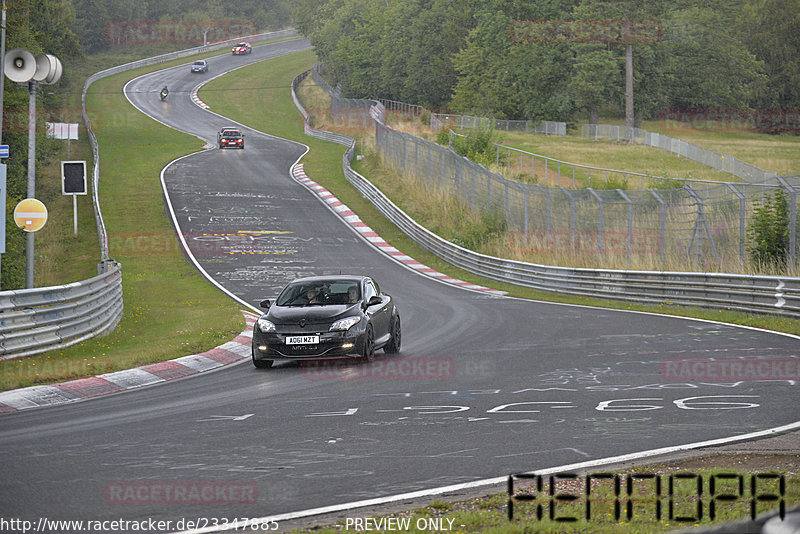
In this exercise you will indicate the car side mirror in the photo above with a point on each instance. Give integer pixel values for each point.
(374, 301)
(264, 304)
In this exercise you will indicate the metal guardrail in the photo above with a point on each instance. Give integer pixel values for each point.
(41, 319)
(779, 295)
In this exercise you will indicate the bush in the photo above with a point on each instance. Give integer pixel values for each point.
(479, 148)
(769, 232)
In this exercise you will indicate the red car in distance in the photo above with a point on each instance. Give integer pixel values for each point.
(242, 48)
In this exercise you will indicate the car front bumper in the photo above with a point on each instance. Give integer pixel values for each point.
(332, 345)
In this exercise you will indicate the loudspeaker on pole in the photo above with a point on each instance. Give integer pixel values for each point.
(19, 65)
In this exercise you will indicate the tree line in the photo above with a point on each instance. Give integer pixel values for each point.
(561, 59)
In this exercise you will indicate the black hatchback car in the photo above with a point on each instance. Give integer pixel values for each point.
(325, 317)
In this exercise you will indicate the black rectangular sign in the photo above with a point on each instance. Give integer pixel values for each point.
(73, 178)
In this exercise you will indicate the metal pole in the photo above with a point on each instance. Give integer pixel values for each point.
(75, 213)
(30, 240)
(629, 246)
(2, 90)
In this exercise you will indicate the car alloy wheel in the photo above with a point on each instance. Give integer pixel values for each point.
(369, 344)
(393, 346)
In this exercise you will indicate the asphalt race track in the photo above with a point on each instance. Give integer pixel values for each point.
(484, 386)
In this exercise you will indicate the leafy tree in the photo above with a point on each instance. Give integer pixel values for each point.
(771, 30)
(595, 76)
(709, 66)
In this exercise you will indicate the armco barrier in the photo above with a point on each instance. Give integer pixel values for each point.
(755, 294)
(40, 319)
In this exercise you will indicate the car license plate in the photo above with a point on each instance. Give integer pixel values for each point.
(302, 340)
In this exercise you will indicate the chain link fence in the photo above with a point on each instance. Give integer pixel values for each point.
(705, 222)
(468, 122)
(710, 158)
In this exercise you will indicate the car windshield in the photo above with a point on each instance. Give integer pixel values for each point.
(199, 63)
(231, 133)
(335, 292)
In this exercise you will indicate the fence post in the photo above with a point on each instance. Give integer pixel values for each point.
(662, 224)
(630, 223)
(599, 220)
(430, 165)
(792, 220)
(571, 219)
(441, 170)
(525, 206)
(505, 202)
(472, 197)
(547, 206)
(742, 207)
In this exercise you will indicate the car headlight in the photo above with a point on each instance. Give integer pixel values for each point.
(344, 324)
(265, 325)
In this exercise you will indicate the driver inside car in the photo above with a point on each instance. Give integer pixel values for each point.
(313, 296)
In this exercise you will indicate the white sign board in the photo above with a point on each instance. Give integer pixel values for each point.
(62, 130)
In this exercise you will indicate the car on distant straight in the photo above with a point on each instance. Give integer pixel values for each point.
(326, 317)
(201, 65)
(230, 137)
(241, 49)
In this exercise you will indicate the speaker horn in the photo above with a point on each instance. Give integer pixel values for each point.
(55, 70)
(19, 65)
(43, 67)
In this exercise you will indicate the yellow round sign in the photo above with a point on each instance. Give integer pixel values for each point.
(30, 215)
